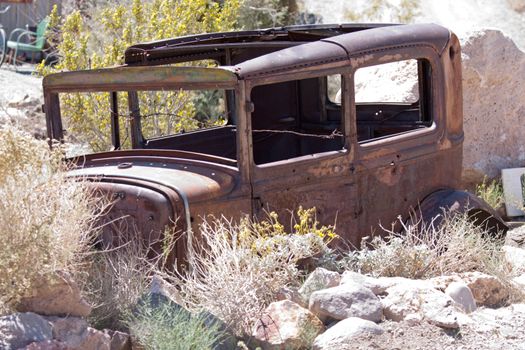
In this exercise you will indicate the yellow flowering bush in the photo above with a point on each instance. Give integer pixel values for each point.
(100, 39)
(237, 269)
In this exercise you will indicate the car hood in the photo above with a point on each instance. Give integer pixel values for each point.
(198, 180)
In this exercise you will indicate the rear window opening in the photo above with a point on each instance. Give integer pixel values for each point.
(392, 98)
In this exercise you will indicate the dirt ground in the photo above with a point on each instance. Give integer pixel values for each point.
(21, 99)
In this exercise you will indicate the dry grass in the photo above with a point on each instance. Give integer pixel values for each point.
(455, 246)
(238, 268)
(116, 278)
(46, 220)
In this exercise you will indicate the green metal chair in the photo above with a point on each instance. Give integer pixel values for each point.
(35, 41)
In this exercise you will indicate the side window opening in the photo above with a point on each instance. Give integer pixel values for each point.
(294, 119)
(392, 98)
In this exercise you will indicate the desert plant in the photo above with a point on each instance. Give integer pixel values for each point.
(46, 219)
(168, 326)
(491, 192)
(97, 38)
(116, 277)
(238, 268)
(455, 245)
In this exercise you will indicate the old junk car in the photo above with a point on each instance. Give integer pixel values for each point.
(291, 125)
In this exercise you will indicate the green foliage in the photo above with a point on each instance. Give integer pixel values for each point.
(404, 11)
(491, 192)
(100, 39)
(170, 327)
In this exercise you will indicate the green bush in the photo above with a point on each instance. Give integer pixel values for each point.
(169, 327)
(98, 39)
(491, 192)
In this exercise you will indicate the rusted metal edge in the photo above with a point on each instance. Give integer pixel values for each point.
(180, 193)
(137, 78)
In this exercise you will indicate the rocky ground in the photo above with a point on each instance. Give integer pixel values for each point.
(21, 100)
(462, 311)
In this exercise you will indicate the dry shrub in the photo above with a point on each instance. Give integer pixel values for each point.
(238, 268)
(116, 278)
(46, 220)
(422, 251)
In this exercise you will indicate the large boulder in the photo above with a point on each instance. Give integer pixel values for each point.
(413, 302)
(56, 295)
(286, 325)
(378, 285)
(342, 334)
(319, 279)
(494, 113)
(346, 300)
(21, 329)
(487, 290)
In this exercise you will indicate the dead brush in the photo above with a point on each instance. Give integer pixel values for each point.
(116, 277)
(46, 219)
(237, 269)
(426, 250)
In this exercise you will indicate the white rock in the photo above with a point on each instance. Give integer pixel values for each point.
(516, 237)
(341, 335)
(72, 331)
(462, 295)
(433, 305)
(286, 325)
(515, 257)
(287, 293)
(378, 285)
(21, 329)
(319, 279)
(347, 300)
(520, 281)
(55, 295)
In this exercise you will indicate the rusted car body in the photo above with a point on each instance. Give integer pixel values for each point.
(285, 143)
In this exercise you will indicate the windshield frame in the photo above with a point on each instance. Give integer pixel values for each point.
(131, 80)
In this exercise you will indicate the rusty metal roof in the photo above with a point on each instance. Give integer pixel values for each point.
(206, 45)
(343, 47)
